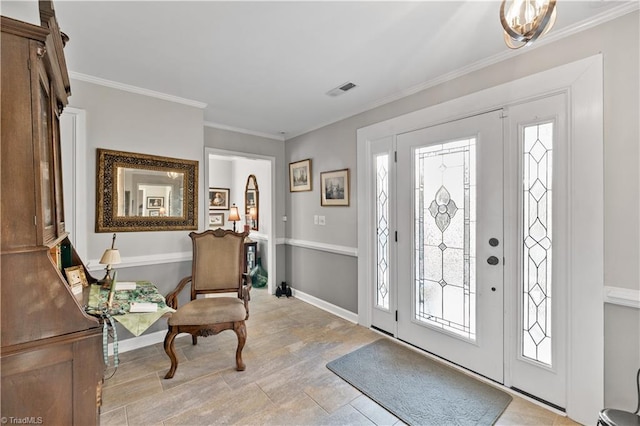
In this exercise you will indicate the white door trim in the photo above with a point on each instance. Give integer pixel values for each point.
(583, 81)
(271, 243)
(75, 191)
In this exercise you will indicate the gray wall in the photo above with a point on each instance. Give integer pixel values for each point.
(115, 121)
(334, 147)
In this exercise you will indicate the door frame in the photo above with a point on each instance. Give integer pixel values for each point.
(582, 81)
(271, 239)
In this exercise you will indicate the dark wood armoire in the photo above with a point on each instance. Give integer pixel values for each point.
(51, 351)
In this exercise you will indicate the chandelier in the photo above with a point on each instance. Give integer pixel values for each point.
(524, 21)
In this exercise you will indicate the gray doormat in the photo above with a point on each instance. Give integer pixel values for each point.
(417, 389)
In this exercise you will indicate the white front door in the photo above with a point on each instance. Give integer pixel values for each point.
(543, 323)
(450, 241)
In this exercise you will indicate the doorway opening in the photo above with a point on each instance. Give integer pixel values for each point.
(229, 170)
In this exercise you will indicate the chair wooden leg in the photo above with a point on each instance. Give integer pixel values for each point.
(170, 350)
(241, 331)
(194, 339)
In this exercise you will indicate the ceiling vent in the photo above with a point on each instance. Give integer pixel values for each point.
(341, 89)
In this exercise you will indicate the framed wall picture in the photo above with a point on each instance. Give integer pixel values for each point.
(334, 188)
(153, 212)
(216, 220)
(76, 277)
(218, 198)
(300, 176)
(155, 202)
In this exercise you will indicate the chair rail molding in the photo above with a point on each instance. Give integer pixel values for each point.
(152, 259)
(329, 248)
(622, 296)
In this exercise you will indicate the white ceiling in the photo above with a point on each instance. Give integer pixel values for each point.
(265, 67)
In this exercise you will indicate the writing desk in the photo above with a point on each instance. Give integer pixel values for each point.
(137, 322)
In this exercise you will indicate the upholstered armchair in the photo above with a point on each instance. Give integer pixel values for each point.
(218, 260)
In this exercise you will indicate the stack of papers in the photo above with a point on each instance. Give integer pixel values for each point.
(143, 307)
(125, 285)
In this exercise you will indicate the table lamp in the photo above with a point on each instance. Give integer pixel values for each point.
(234, 216)
(110, 257)
(253, 214)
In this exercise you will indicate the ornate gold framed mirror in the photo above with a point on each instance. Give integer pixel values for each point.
(140, 192)
(251, 203)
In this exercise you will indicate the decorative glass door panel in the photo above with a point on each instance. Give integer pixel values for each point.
(450, 216)
(444, 285)
(539, 189)
(537, 237)
(382, 226)
(382, 213)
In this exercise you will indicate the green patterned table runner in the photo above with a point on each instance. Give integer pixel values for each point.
(136, 323)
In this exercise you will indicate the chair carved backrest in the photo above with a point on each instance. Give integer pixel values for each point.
(218, 259)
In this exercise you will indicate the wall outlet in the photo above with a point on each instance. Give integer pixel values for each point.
(315, 219)
(321, 220)
(284, 218)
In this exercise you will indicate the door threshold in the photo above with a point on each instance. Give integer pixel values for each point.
(540, 400)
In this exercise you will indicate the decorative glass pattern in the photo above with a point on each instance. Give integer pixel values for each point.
(537, 237)
(382, 220)
(445, 290)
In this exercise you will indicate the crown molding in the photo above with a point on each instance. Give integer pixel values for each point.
(576, 28)
(244, 131)
(135, 89)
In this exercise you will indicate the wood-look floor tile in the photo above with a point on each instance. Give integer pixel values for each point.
(177, 400)
(232, 407)
(298, 409)
(331, 392)
(345, 415)
(141, 367)
(286, 381)
(128, 392)
(373, 411)
(117, 417)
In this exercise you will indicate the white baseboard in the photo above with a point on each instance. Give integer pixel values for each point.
(326, 306)
(158, 336)
(139, 342)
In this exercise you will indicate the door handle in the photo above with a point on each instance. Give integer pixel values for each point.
(492, 260)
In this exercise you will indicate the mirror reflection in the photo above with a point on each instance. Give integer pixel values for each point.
(144, 193)
(251, 202)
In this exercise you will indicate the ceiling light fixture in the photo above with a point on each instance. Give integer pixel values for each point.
(526, 20)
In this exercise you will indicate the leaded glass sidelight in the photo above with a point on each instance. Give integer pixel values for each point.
(444, 286)
(382, 222)
(537, 237)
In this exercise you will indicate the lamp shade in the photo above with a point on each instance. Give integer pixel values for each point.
(253, 213)
(234, 215)
(110, 257)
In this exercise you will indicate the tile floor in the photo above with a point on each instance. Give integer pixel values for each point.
(286, 382)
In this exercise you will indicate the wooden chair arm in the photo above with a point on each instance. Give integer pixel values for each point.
(172, 298)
